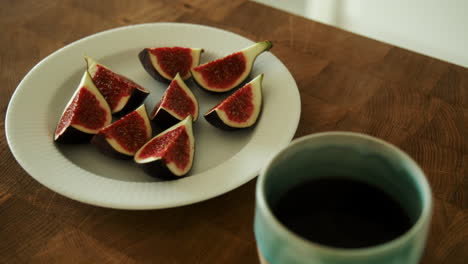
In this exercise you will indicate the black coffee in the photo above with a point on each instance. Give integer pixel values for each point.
(342, 213)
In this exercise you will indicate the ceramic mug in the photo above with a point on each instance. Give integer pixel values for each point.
(349, 154)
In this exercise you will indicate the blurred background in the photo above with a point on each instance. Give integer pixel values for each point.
(432, 27)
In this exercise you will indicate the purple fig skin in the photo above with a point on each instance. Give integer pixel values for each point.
(146, 62)
(73, 136)
(214, 119)
(164, 120)
(158, 169)
(101, 144)
(135, 100)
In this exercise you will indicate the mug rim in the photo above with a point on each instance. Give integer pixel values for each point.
(416, 172)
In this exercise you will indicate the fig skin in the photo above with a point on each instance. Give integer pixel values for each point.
(214, 119)
(99, 140)
(148, 66)
(135, 100)
(73, 136)
(164, 120)
(159, 170)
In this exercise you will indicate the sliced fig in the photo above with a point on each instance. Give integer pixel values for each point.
(169, 155)
(225, 74)
(122, 94)
(123, 138)
(176, 104)
(241, 109)
(164, 63)
(85, 114)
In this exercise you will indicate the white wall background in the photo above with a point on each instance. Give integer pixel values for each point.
(437, 28)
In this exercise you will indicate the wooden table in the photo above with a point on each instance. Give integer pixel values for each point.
(347, 82)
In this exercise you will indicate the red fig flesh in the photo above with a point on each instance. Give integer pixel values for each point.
(164, 63)
(225, 74)
(85, 114)
(124, 137)
(169, 155)
(176, 104)
(122, 94)
(241, 109)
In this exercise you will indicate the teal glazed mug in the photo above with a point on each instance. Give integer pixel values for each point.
(356, 156)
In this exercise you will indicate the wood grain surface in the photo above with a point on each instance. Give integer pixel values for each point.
(347, 82)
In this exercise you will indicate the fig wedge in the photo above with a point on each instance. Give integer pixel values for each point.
(122, 94)
(124, 137)
(165, 62)
(223, 75)
(176, 104)
(241, 109)
(85, 114)
(169, 155)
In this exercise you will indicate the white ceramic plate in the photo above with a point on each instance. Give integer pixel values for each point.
(223, 160)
